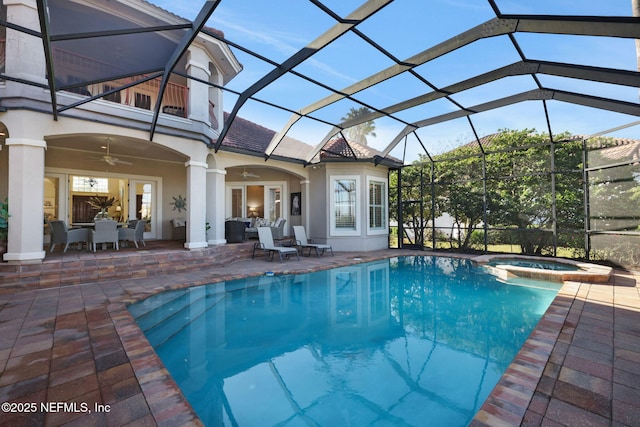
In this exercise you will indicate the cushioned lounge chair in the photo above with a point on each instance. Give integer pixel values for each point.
(266, 244)
(304, 243)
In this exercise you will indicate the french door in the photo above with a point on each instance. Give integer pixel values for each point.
(273, 202)
(143, 205)
(239, 204)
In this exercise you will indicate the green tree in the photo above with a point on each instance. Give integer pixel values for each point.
(519, 190)
(358, 133)
(459, 179)
(416, 202)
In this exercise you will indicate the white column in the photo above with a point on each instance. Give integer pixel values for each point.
(198, 66)
(215, 206)
(26, 198)
(24, 54)
(196, 205)
(216, 98)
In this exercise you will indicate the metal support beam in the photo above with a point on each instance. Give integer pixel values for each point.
(183, 46)
(136, 30)
(43, 9)
(585, 192)
(533, 95)
(356, 17)
(599, 26)
(490, 28)
(148, 77)
(554, 205)
(605, 26)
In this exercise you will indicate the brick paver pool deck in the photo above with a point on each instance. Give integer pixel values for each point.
(73, 342)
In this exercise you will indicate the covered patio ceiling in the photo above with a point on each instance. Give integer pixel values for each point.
(432, 75)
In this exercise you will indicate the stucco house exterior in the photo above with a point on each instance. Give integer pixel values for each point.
(115, 126)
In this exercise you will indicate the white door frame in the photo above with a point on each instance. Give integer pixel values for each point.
(64, 208)
(281, 185)
(155, 211)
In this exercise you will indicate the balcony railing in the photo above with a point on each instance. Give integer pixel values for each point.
(143, 95)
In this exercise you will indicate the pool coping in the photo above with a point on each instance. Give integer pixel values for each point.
(80, 344)
(511, 397)
(507, 403)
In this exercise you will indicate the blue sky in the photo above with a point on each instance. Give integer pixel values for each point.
(278, 28)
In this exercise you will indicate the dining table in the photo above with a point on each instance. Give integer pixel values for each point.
(91, 225)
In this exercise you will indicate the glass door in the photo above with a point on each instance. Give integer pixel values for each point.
(235, 202)
(142, 205)
(273, 202)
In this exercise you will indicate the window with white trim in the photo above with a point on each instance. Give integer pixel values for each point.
(88, 184)
(377, 205)
(344, 205)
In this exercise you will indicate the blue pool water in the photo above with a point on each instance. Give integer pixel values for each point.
(409, 341)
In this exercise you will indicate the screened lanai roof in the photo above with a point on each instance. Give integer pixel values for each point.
(433, 75)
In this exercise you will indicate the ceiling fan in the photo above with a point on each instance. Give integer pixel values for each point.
(108, 158)
(246, 175)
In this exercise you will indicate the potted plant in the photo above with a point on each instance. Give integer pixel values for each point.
(4, 225)
(102, 203)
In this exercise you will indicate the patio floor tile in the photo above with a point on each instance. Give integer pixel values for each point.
(76, 342)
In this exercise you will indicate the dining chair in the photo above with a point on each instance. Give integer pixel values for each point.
(105, 231)
(60, 234)
(133, 234)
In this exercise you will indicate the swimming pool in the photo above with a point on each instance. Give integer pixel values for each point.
(391, 342)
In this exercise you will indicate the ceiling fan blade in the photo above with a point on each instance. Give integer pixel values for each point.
(246, 175)
(122, 162)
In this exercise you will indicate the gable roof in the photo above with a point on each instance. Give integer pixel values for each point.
(339, 149)
(250, 138)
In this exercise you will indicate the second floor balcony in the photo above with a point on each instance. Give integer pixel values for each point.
(73, 69)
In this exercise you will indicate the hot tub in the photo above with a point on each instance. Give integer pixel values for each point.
(506, 267)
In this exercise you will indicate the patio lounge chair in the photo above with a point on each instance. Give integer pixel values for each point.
(277, 229)
(302, 241)
(266, 244)
(105, 231)
(61, 235)
(133, 234)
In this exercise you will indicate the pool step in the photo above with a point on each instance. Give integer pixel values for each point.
(159, 327)
(148, 316)
(146, 307)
